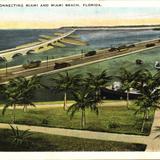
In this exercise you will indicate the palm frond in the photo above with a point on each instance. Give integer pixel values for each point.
(17, 131)
(26, 133)
(72, 110)
(13, 129)
(5, 108)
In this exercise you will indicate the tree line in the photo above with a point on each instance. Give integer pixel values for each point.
(86, 91)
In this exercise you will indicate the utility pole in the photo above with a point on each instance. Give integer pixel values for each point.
(6, 66)
(47, 61)
(98, 67)
(82, 52)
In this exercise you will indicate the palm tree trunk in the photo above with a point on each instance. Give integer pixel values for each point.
(147, 114)
(96, 94)
(14, 114)
(127, 99)
(143, 123)
(83, 119)
(25, 108)
(65, 101)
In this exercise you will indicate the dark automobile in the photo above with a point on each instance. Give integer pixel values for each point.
(32, 64)
(112, 49)
(131, 45)
(61, 65)
(150, 44)
(139, 61)
(90, 53)
(122, 47)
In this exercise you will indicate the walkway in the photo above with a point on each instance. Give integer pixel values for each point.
(82, 134)
(60, 105)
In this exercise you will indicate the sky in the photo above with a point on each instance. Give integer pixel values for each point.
(54, 17)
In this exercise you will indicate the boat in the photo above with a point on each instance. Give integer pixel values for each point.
(118, 94)
(157, 65)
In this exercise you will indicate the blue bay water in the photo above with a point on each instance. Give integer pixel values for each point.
(96, 39)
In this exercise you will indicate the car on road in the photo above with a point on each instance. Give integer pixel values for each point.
(150, 45)
(32, 64)
(122, 48)
(90, 53)
(112, 49)
(61, 65)
(139, 61)
(131, 46)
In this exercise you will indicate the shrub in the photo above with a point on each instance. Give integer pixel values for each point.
(113, 125)
(19, 137)
(45, 121)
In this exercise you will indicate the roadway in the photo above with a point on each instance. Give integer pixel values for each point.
(47, 67)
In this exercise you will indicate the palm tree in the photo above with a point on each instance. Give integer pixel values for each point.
(126, 79)
(30, 86)
(140, 79)
(11, 94)
(84, 99)
(97, 81)
(146, 103)
(19, 92)
(148, 85)
(25, 88)
(64, 83)
(10, 103)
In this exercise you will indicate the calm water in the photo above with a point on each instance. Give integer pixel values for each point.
(102, 39)
(96, 39)
(13, 38)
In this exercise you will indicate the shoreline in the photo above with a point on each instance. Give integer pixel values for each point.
(76, 27)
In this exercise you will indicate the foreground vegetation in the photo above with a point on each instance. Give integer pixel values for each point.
(46, 142)
(114, 117)
(86, 93)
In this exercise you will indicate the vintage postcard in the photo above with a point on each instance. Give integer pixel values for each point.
(79, 79)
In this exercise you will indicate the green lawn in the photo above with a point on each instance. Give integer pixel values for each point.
(112, 118)
(46, 142)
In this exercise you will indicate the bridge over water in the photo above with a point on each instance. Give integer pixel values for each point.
(8, 54)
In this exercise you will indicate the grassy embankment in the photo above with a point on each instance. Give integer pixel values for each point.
(46, 142)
